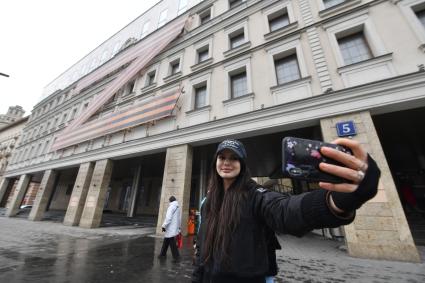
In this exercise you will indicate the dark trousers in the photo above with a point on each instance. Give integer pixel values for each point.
(172, 243)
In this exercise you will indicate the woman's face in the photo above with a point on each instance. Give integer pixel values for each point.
(228, 165)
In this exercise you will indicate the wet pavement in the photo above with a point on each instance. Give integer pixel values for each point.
(51, 252)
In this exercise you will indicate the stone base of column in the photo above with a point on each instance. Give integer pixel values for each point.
(380, 229)
(79, 194)
(18, 195)
(93, 208)
(43, 195)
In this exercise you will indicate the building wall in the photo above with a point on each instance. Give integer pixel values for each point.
(395, 56)
(9, 138)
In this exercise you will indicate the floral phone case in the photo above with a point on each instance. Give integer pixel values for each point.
(301, 159)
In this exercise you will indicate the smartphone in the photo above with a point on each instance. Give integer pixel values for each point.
(301, 159)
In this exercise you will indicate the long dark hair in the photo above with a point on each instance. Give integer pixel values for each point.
(223, 210)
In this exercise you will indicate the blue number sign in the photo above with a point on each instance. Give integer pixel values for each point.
(346, 129)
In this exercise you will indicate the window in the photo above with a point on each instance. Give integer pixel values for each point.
(421, 16)
(55, 123)
(46, 147)
(205, 16)
(129, 88)
(237, 38)
(203, 54)
(145, 29)
(174, 67)
(278, 20)
(73, 113)
(150, 78)
(238, 84)
(234, 3)
(162, 18)
(182, 6)
(200, 96)
(287, 69)
(354, 48)
(64, 118)
(331, 3)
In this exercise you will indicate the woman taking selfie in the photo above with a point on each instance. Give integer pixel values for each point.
(232, 243)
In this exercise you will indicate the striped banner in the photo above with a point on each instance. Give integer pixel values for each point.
(155, 108)
(145, 51)
(139, 55)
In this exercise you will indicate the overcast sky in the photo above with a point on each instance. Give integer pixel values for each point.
(41, 39)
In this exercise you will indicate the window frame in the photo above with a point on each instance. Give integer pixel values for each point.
(236, 29)
(363, 38)
(204, 79)
(283, 49)
(269, 11)
(408, 10)
(233, 68)
(347, 25)
(145, 29)
(162, 22)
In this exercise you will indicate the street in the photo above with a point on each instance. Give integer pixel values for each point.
(51, 252)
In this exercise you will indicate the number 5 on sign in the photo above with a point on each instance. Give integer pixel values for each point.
(344, 129)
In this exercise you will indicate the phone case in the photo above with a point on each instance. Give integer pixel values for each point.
(301, 159)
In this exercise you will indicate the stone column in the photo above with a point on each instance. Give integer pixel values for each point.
(93, 208)
(380, 230)
(18, 195)
(4, 184)
(176, 182)
(43, 195)
(134, 192)
(79, 194)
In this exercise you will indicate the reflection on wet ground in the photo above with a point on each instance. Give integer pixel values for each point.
(51, 252)
(82, 260)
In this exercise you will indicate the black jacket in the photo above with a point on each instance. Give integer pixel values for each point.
(263, 209)
(294, 215)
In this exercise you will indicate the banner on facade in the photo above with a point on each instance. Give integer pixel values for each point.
(138, 57)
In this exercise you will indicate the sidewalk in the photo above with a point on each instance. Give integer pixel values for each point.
(51, 252)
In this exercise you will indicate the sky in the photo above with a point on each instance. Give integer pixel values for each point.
(39, 40)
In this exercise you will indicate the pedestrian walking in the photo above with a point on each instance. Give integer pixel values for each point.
(171, 227)
(232, 244)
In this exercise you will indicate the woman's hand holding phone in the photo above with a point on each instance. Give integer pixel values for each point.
(359, 168)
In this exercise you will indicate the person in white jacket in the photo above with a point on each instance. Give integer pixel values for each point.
(171, 227)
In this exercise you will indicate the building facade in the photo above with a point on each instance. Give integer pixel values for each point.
(13, 114)
(144, 124)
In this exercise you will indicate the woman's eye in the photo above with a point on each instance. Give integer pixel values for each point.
(221, 157)
(233, 158)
